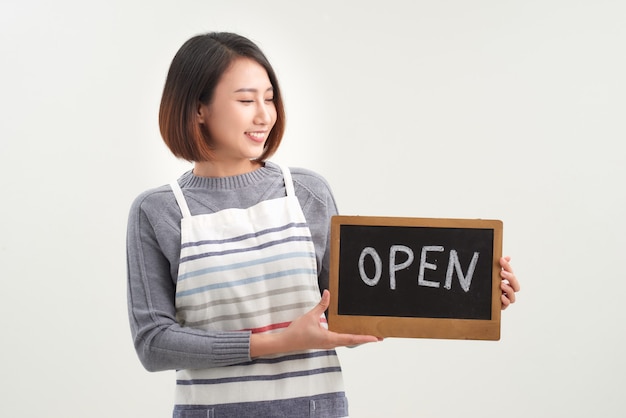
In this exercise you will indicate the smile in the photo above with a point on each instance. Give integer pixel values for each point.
(259, 136)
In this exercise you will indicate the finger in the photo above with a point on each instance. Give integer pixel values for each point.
(321, 307)
(354, 339)
(510, 279)
(508, 292)
(505, 263)
(507, 273)
(505, 302)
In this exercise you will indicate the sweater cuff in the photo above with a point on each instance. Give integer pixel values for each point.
(231, 347)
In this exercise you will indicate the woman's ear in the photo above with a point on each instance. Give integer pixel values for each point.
(202, 113)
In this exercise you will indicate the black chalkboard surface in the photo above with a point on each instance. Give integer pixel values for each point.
(415, 277)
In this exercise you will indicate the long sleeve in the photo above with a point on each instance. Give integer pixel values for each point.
(318, 205)
(161, 343)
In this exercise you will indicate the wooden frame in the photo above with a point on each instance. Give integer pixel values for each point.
(416, 327)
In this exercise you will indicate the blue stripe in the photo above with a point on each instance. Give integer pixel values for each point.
(242, 250)
(291, 407)
(259, 377)
(248, 280)
(234, 266)
(246, 236)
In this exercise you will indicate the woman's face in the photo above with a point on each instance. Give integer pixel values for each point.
(241, 114)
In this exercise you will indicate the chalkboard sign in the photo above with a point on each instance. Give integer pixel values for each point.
(415, 277)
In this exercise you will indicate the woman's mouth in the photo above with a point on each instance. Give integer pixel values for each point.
(257, 136)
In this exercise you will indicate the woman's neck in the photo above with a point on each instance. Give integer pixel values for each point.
(220, 169)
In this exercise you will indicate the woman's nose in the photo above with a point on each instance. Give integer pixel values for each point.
(263, 114)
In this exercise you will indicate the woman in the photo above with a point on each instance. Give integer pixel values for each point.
(226, 264)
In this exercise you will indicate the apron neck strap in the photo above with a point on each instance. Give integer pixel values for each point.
(180, 199)
(288, 181)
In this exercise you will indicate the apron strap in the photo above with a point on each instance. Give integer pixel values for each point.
(288, 181)
(180, 199)
(182, 203)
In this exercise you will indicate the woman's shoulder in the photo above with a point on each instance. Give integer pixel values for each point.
(154, 203)
(311, 180)
(158, 196)
(300, 174)
(306, 178)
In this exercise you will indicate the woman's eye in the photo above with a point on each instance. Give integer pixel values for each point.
(249, 101)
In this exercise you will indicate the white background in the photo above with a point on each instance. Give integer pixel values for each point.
(516, 108)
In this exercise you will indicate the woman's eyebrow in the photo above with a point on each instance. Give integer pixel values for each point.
(251, 90)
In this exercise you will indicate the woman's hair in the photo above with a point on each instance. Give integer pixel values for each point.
(194, 73)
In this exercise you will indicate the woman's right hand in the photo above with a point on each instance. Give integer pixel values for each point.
(306, 333)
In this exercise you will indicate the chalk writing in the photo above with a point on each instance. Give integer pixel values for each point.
(454, 266)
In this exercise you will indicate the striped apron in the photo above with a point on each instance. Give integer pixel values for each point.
(253, 269)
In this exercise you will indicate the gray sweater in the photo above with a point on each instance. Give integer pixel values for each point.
(153, 251)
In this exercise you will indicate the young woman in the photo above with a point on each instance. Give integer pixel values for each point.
(226, 264)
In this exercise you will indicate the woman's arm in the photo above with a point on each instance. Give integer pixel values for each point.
(161, 343)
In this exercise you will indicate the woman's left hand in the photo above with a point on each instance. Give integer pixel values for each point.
(509, 284)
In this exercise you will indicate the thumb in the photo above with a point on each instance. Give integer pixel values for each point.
(324, 302)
